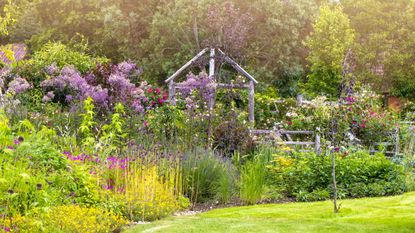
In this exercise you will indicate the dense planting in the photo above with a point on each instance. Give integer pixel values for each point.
(93, 139)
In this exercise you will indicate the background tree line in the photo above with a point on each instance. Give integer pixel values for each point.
(293, 46)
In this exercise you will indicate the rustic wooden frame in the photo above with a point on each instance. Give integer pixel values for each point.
(212, 69)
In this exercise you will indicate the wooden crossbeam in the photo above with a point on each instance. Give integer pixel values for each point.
(266, 131)
(237, 67)
(187, 65)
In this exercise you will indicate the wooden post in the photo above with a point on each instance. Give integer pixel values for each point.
(396, 142)
(300, 99)
(251, 102)
(318, 142)
(212, 76)
(211, 102)
(172, 93)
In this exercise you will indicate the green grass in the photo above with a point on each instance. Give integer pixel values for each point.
(387, 214)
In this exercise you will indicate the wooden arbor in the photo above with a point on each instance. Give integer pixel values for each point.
(214, 54)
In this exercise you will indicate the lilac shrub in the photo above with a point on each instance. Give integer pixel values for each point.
(106, 85)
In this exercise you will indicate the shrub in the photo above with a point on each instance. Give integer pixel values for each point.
(62, 55)
(306, 176)
(42, 154)
(65, 219)
(315, 195)
(232, 136)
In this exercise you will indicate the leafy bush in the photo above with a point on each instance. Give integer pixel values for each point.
(308, 176)
(65, 219)
(361, 115)
(232, 136)
(62, 55)
(42, 154)
(315, 195)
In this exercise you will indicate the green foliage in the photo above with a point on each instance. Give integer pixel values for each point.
(7, 18)
(113, 135)
(149, 196)
(307, 177)
(5, 130)
(363, 116)
(42, 153)
(88, 123)
(253, 176)
(207, 177)
(384, 52)
(62, 55)
(328, 44)
(66, 219)
(166, 122)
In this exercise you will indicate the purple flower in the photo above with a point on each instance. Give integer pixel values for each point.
(68, 98)
(48, 97)
(19, 85)
(126, 67)
(202, 82)
(52, 69)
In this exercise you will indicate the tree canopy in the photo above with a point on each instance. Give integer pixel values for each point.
(294, 46)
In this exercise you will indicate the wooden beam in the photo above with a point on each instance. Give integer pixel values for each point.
(232, 86)
(238, 67)
(266, 131)
(251, 102)
(295, 143)
(189, 63)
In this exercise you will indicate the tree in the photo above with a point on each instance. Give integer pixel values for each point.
(264, 35)
(328, 44)
(385, 37)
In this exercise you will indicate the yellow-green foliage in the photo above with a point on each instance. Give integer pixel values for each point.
(5, 131)
(66, 219)
(150, 196)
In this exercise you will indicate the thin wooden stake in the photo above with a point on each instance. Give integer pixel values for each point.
(251, 102)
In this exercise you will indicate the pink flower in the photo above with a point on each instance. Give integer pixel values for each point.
(165, 96)
(150, 90)
(157, 91)
(289, 123)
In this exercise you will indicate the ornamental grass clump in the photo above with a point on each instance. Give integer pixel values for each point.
(208, 177)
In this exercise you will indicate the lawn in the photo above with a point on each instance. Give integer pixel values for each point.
(386, 214)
